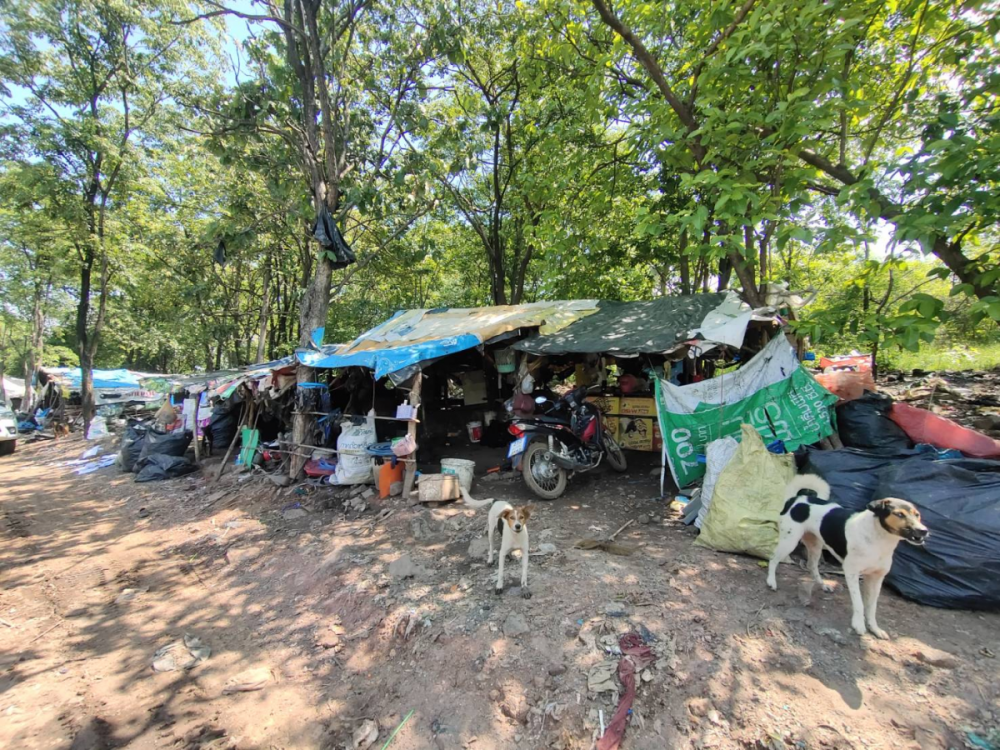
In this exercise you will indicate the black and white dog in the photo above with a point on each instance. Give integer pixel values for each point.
(863, 542)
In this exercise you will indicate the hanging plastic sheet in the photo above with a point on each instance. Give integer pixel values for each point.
(326, 233)
(772, 392)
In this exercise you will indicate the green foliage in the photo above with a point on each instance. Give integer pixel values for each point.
(483, 152)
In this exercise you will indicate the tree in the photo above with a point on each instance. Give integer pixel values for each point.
(33, 251)
(334, 86)
(93, 77)
(781, 98)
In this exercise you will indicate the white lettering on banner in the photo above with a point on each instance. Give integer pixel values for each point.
(681, 438)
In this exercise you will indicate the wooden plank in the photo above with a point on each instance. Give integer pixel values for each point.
(411, 430)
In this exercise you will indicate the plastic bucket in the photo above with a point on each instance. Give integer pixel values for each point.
(463, 469)
(475, 431)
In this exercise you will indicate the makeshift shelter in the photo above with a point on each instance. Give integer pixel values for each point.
(110, 386)
(470, 360)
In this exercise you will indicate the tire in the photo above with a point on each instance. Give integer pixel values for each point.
(7, 447)
(615, 455)
(551, 482)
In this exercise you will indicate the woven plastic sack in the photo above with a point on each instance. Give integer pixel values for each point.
(748, 499)
(717, 456)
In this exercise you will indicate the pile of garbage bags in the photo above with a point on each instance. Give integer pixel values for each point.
(959, 501)
(893, 450)
(153, 455)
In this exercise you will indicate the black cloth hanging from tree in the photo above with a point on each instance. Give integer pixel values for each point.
(326, 233)
(219, 256)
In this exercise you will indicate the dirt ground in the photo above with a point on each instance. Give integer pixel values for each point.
(297, 597)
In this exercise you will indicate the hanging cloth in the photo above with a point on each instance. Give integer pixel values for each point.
(326, 233)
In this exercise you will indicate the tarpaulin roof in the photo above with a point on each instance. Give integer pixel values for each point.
(649, 326)
(412, 336)
(103, 379)
(13, 387)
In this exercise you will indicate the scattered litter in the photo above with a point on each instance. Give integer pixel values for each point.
(365, 735)
(396, 730)
(128, 595)
(979, 742)
(637, 657)
(184, 653)
(601, 677)
(91, 452)
(85, 466)
(248, 681)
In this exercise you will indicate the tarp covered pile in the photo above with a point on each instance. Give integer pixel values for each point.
(959, 501)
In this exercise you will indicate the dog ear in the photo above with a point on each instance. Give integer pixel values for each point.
(505, 514)
(881, 508)
(527, 510)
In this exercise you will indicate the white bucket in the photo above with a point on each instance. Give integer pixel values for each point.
(465, 470)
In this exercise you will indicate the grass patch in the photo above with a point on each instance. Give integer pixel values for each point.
(954, 357)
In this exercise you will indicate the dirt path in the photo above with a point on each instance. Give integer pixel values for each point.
(289, 589)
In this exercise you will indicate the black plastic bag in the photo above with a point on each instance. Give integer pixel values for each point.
(131, 447)
(222, 426)
(219, 256)
(165, 443)
(162, 466)
(864, 423)
(959, 501)
(853, 474)
(326, 233)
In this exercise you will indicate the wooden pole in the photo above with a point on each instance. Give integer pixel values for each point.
(197, 448)
(411, 430)
(232, 444)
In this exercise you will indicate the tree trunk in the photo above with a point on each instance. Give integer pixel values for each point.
(315, 305)
(35, 349)
(83, 340)
(87, 388)
(265, 311)
(685, 264)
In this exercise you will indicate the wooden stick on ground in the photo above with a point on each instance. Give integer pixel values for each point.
(624, 526)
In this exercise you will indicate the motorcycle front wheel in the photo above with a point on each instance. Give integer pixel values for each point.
(541, 474)
(616, 457)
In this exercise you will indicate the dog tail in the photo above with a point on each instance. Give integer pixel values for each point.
(812, 482)
(477, 504)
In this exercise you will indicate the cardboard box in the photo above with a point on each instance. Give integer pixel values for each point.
(636, 433)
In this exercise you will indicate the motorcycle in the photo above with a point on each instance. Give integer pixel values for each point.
(567, 437)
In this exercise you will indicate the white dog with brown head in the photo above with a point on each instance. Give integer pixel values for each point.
(513, 526)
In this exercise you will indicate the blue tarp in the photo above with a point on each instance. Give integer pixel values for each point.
(384, 361)
(105, 379)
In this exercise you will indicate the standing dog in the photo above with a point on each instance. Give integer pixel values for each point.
(863, 542)
(513, 524)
